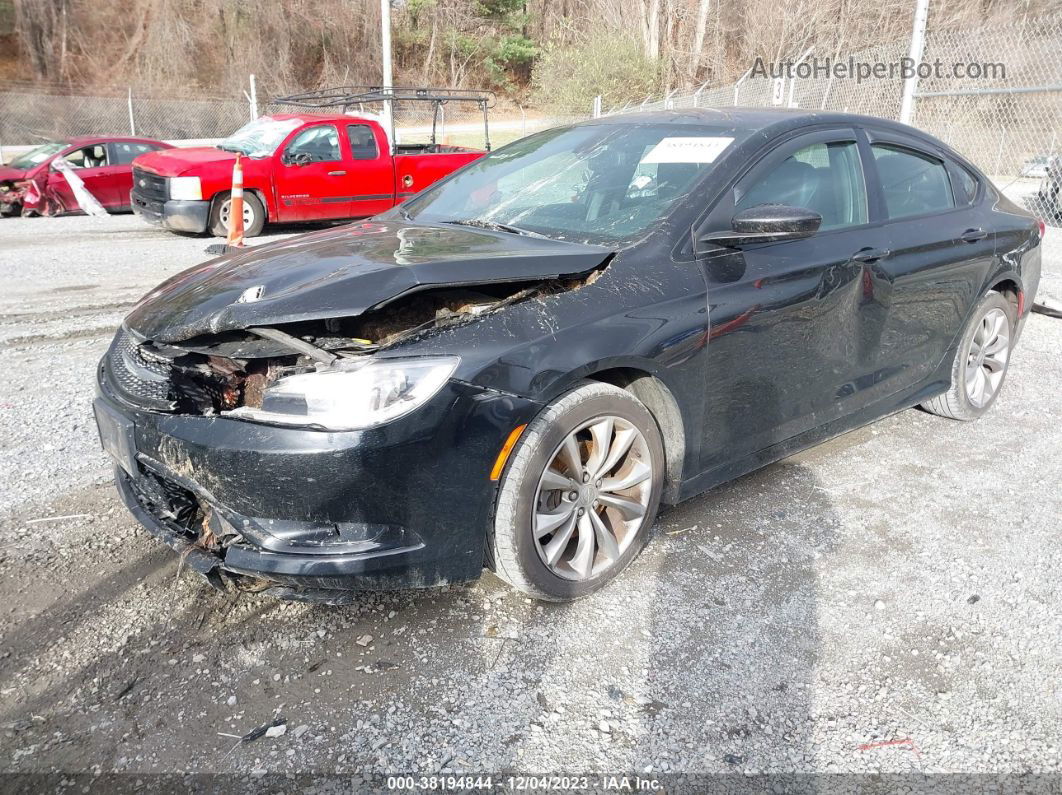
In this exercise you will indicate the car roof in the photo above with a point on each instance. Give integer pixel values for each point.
(85, 140)
(752, 120)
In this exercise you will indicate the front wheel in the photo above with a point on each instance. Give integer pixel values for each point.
(980, 364)
(579, 495)
(254, 215)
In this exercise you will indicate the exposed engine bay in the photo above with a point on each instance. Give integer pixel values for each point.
(213, 375)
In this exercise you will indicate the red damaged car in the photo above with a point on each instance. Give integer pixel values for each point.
(29, 184)
(301, 166)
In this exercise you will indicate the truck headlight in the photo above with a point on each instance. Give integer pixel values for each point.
(353, 397)
(186, 189)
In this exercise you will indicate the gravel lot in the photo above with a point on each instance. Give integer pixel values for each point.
(887, 602)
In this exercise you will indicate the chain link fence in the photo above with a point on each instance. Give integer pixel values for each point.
(28, 117)
(993, 93)
(1004, 111)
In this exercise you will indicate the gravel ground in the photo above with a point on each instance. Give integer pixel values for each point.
(885, 603)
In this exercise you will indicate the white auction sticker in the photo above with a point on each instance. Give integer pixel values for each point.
(687, 150)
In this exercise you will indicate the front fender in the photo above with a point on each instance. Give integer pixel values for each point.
(646, 323)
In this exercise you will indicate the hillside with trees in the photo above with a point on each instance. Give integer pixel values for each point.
(550, 54)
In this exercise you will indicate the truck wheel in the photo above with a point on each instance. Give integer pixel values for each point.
(980, 363)
(579, 495)
(254, 215)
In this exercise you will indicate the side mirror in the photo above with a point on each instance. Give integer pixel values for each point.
(765, 223)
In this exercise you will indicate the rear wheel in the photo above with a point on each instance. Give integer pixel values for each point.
(254, 215)
(980, 364)
(580, 494)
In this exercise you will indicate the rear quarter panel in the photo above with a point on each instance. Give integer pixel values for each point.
(1015, 258)
(420, 171)
(1018, 247)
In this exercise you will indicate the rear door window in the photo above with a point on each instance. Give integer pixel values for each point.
(362, 142)
(964, 184)
(826, 178)
(914, 183)
(124, 152)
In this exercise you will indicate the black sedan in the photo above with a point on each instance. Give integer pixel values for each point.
(515, 369)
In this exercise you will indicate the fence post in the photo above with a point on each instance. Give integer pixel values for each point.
(132, 124)
(697, 94)
(826, 92)
(918, 44)
(791, 102)
(737, 85)
(254, 99)
(999, 152)
(596, 111)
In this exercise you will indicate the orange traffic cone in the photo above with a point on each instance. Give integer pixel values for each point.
(236, 205)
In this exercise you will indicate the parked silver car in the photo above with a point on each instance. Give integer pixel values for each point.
(1036, 167)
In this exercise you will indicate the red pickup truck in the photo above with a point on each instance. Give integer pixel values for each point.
(296, 167)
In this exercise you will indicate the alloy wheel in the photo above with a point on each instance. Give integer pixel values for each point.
(592, 498)
(986, 359)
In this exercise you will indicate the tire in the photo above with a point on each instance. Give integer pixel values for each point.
(525, 503)
(963, 401)
(254, 215)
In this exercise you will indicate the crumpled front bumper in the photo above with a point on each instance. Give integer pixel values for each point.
(11, 201)
(404, 505)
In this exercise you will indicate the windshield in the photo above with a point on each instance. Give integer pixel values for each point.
(259, 138)
(36, 156)
(592, 183)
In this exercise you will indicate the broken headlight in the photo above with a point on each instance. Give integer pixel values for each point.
(353, 396)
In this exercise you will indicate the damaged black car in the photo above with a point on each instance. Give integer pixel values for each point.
(518, 366)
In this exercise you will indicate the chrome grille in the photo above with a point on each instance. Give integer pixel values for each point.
(149, 186)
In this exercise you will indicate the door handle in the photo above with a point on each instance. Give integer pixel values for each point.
(337, 173)
(870, 254)
(973, 235)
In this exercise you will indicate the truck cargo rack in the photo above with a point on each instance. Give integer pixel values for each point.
(347, 97)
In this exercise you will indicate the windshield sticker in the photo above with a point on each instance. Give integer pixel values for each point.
(687, 150)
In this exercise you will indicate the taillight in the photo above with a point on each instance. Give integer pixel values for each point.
(1043, 227)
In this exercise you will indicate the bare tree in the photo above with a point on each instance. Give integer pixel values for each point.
(211, 45)
(42, 31)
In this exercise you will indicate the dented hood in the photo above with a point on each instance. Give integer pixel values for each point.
(9, 174)
(344, 271)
